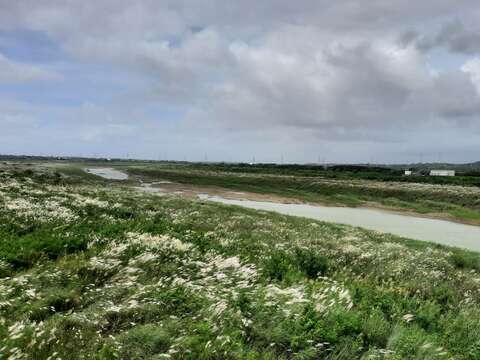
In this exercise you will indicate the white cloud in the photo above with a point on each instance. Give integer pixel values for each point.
(472, 67)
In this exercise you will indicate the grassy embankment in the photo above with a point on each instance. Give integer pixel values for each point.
(92, 271)
(458, 202)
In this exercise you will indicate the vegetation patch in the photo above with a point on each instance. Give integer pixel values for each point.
(90, 270)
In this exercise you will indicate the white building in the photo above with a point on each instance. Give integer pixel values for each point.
(408, 172)
(442, 172)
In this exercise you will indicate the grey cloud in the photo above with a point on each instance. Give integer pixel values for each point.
(237, 72)
(454, 96)
(458, 39)
(407, 38)
(455, 37)
(342, 87)
(169, 17)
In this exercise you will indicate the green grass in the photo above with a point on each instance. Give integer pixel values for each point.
(90, 270)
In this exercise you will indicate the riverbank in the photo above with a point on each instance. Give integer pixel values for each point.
(448, 202)
(409, 226)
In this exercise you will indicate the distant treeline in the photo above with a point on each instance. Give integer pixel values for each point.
(365, 172)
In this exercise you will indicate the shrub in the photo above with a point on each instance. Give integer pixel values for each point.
(179, 301)
(427, 315)
(376, 329)
(142, 342)
(311, 263)
(54, 303)
(283, 265)
(445, 295)
(465, 260)
(461, 333)
(411, 342)
(278, 265)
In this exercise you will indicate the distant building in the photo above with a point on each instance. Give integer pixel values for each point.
(408, 172)
(442, 172)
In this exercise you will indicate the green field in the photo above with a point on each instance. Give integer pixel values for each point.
(90, 269)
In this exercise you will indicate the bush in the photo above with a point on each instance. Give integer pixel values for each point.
(278, 265)
(142, 342)
(179, 301)
(311, 263)
(54, 303)
(464, 260)
(411, 342)
(283, 265)
(427, 315)
(376, 329)
(445, 295)
(461, 333)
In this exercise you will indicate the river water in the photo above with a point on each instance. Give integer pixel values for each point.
(418, 228)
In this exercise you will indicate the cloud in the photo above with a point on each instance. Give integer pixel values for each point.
(472, 68)
(12, 72)
(453, 36)
(270, 74)
(458, 39)
(336, 90)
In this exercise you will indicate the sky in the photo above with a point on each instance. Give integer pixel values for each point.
(306, 81)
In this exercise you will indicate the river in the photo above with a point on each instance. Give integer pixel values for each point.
(418, 228)
(412, 227)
